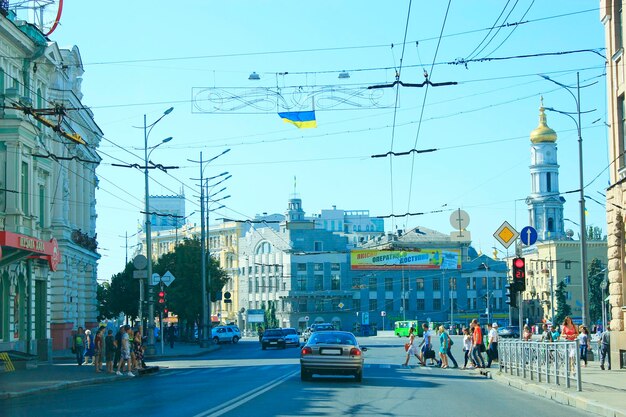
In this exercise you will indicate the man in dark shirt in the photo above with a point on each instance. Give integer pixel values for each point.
(605, 347)
(118, 347)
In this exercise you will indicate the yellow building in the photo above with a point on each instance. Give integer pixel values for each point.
(611, 14)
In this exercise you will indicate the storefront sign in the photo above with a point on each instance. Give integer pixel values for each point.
(406, 259)
(32, 245)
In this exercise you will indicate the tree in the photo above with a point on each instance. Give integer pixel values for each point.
(270, 315)
(123, 294)
(562, 308)
(184, 295)
(595, 278)
(104, 301)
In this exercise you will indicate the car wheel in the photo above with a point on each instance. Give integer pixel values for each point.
(216, 340)
(283, 346)
(235, 339)
(263, 347)
(305, 375)
(358, 376)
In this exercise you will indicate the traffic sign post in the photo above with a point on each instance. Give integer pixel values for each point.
(528, 235)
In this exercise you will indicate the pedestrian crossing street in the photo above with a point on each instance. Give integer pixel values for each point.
(261, 369)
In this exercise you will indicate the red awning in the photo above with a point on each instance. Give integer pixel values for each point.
(15, 247)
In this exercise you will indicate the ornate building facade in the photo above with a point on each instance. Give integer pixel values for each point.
(48, 257)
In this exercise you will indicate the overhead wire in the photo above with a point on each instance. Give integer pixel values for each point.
(512, 30)
(471, 54)
(497, 31)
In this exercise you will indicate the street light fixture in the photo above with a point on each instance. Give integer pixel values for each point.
(583, 227)
(147, 128)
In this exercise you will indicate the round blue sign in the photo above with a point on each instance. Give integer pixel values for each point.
(528, 235)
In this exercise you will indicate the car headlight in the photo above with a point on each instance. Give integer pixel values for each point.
(280, 339)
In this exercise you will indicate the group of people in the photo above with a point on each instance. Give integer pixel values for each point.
(124, 350)
(473, 346)
(568, 331)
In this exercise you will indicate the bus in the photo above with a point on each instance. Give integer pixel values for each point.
(402, 328)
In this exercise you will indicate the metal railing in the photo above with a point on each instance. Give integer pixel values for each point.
(553, 363)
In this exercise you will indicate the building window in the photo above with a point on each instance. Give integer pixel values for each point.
(550, 224)
(25, 190)
(484, 282)
(319, 282)
(568, 264)
(318, 267)
(420, 304)
(388, 284)
(356, 283)
(301, 283)
(419, 284)
(568, 279)
(319, 305)
(405, 283)
(42, 206)
(437, 304)
(302, 306)
(617, 7)
(301, 267)
(548, 182)
(471, 283)
(318, 246)
(452, 283)
(436, 284)
(372, 284)
(334, 282)
(373, 304)
(356, 304)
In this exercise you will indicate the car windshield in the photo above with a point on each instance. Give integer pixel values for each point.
(328, 338)
(273, 333)
(289, 331)
(323, 327)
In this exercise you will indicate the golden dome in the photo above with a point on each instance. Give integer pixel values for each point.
(542, 133)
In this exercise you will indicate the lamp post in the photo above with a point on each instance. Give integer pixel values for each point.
(147, 128)
(488, 292)
(583, 227)
(205, 340)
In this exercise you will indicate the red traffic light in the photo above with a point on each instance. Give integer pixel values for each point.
(161, 294)
(165, 310)
(519, 262)
(161, 301)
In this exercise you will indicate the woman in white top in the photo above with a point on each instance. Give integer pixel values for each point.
(413, 349)
(467, 346)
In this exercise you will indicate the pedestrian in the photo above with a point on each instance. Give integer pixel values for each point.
(98, 349)
(449, 352)
(118, 347)
(527, 335)
(125, 352)
(555, 333)
(583, 343)
(467, 346)
(89, 348)
(546, 336)
(569, 332)
(477, 344)
(492, 352)
(604, 343)
(138, 350)
(109, 348)
(426, 346)
(78, 345)
(444, 343)
(412, 347)
(171, 335)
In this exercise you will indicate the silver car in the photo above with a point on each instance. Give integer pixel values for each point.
(331, 353)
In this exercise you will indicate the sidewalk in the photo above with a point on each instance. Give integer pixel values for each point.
(64, 373)
(603, 392)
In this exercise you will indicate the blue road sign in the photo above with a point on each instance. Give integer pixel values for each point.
(528, 235)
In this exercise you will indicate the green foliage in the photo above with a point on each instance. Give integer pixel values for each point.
(270, 319)
(103, 297)
(562, 308)
(595, 278)
(123, 294)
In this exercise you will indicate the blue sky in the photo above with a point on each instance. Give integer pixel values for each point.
(142, 57)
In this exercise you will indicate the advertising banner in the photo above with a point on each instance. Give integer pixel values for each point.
(406, 259)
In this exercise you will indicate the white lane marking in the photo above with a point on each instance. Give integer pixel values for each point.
(245, 397)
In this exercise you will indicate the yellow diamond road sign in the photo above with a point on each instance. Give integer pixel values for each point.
(506, 234)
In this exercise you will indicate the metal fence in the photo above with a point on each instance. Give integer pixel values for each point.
(553, 363)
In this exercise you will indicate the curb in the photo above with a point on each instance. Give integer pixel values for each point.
(60, 359)
(60, 386)
(573, 399)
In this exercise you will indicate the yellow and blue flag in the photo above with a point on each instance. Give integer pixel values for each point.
(301, 119)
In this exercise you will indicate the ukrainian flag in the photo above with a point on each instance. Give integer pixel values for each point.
(301, 119)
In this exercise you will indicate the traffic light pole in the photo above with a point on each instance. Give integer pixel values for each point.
(521, 315)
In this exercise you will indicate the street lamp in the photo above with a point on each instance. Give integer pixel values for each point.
(488, 292)
(205, 340)
(583, 227)
(147, 128)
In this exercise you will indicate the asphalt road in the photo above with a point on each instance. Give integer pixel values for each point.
(243, 380)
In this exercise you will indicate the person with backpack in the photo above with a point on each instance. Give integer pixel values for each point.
(78, 345)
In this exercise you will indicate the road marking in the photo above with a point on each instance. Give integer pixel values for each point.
(245, 397)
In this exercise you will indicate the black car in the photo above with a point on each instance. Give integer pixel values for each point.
(273, 338)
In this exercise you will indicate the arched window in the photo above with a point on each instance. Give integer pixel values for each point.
(264, 247)
(550, 224)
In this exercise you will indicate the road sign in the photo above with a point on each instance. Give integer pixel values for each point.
(340, 305)
(140, 262)
(365, 317)
(140, 274)
(459, 219)
(306, 318)
(168, 278)
(528, 235)
(506, 234)
(383, 313)
(156, 278)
